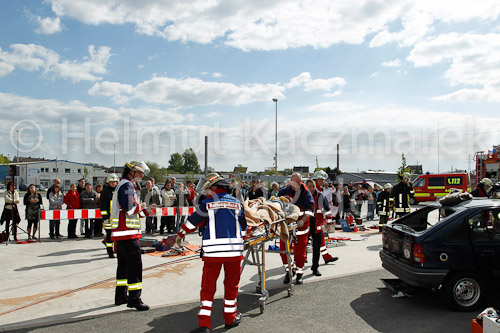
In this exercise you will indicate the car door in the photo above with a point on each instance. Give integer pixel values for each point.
(485, 238)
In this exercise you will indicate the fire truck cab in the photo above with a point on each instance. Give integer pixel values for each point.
(430, 187)
(488, 165)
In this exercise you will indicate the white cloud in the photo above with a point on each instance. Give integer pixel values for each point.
(392, 63)
(216, 75)
(304, 79)
(48, 25)
(474, 61)
(212, 114)
(279, 24)
(32, 57)
(188, 92)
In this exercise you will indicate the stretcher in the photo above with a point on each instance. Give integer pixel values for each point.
(255, 246)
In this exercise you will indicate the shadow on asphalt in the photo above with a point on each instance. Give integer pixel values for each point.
(423, 312)
(64, 253)
(57, 264)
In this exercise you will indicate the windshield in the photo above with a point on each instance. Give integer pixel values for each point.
(427, 217)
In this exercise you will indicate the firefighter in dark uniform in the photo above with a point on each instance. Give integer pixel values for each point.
(104, 203)
(402, 193)
(483, 188)
(384, 205)
(126, 231)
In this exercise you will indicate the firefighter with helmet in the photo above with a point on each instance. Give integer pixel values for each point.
(223, 217)
(483, 188)
(402, 193)
(104, 204)
(126, 230)
(384, 205)
(319, 177)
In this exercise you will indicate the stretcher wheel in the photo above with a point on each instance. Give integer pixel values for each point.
(290, 292)
(262, 306)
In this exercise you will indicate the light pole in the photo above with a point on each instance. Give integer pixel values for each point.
(114, 163)
(275, 100)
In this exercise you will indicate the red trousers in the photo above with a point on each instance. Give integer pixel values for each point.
(324, 252)
(211, 271)
(300, 248)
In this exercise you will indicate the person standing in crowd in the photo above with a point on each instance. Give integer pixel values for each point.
(57, 181)
(181, 201)
(346, 202)
(156, 189)
(10, 212)
(104, 205)
(255, 191)
(372, 201)
(351, 187)
(80, 188)
(32, 201)
(225, 226)
(359, 196)
(192, 193)
(150, 196)
(89, 201)
(173, 180)
(384, 204)
(321, 209)
(98, 221)
(299, 195)
(56, 200)
(328, 192)
(168, 199)
(275, 189)
(72, 201)
(126, 231)
(483, 189)
(402, 193)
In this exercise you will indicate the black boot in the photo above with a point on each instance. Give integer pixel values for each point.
(332, 259)
(286, 280)
(138, 305)
(316, 272)
(299, 280)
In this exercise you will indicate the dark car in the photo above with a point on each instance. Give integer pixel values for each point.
(40, 187)
(459, 255)
(23, 187)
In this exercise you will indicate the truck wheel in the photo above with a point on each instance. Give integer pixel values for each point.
(464, 291)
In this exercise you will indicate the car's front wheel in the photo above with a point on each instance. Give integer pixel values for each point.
(464, 291)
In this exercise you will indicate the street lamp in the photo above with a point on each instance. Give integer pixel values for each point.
(275, 100)
(114, 163)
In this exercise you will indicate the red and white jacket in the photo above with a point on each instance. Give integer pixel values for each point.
(321, 210)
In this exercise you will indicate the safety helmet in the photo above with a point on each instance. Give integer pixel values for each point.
(406, 175)
(388, 185)
(487, 182)
(212, 179)
(138, 166)
(113, 178)
(320, 174)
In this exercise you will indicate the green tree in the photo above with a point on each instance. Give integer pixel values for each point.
(4, 160)
(175, 164)
(190, 161)
(157, 172)
(402, 169)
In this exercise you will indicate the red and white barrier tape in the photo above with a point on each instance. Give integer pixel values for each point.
(69, 214)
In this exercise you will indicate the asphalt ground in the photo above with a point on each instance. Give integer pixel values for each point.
(354, 303)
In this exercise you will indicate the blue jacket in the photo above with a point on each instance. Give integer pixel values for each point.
(301, 198)
(225, 226)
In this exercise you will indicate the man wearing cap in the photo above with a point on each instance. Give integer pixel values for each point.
(104, 203)
(402, 193)
(126, 231)
(300, 196)
(223, 217)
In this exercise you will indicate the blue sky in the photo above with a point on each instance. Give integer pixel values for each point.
(81, 79)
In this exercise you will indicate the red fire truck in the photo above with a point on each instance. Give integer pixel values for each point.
(430, 187)
(488, 165)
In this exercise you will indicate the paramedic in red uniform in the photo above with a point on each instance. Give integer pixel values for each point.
(300, 196)
(319, 177)
(223, 218)
(321, 209)
(126, 231)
